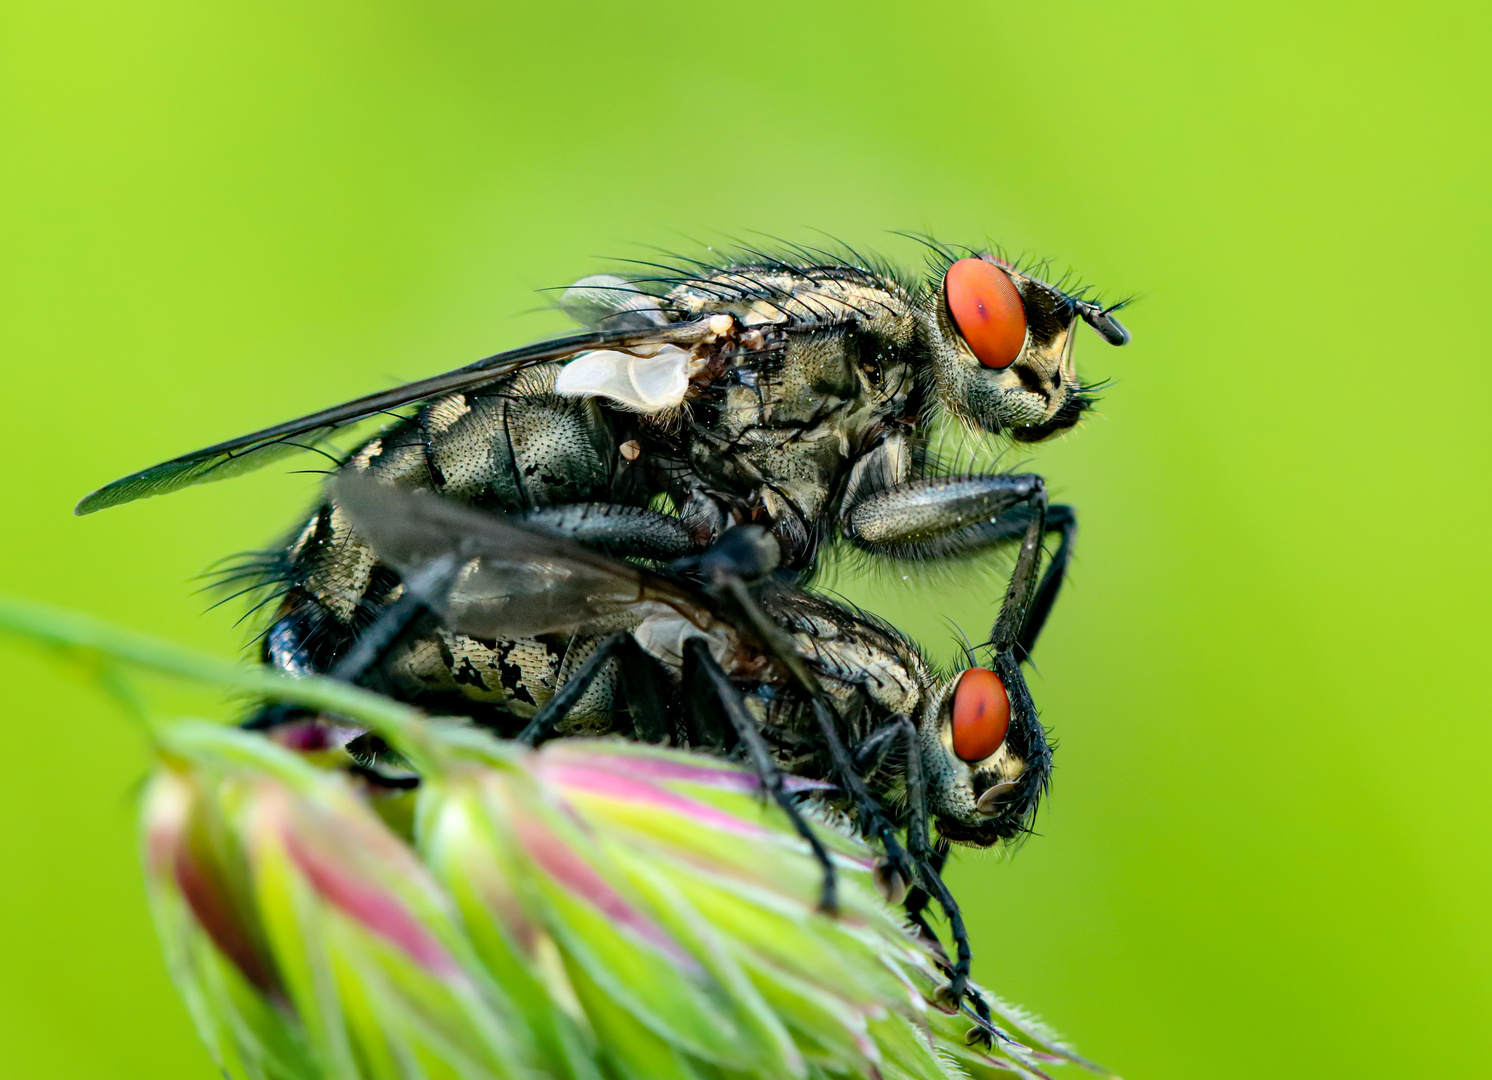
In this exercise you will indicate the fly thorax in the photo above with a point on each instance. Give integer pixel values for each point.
(781, 295)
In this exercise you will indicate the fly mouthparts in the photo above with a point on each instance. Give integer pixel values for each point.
(989, 802)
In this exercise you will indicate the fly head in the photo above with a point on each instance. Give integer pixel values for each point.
(985, 767)
(1002, 348)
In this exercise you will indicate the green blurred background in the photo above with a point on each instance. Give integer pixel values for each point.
(1267, 849)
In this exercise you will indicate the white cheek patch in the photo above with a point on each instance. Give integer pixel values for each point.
(643, 383)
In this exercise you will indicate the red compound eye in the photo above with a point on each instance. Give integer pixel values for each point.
(987, 310)
(981, 714)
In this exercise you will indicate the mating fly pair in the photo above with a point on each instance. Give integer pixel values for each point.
(796, 393)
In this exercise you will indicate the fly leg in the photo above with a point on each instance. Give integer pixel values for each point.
(645, 688)
(614, 528)
(918, 898)
(929, 864)
(701, 666)
(916, 906)
(897, 873)
(1012, 627)
(870, 751)
(927, 858)
(949, 516)
(1061, 520)
(747, 553)
(648, 720)
(1024, 599)
(865, 758)
(1008, 637)
(744, 555)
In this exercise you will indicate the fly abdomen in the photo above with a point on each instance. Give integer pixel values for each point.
(520, 446)
(514, 448)
(462, 674)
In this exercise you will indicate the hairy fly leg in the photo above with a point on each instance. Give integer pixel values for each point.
(733, 568)
(1023, 603)
(700, 666)
(928, 858)
(1026, 601)
(1061, 520)
(614, 528)
(645, 689)
(916, 908)
(1023, 590)
(749, 553)
(918, 898)
(870, 751)
(929, 866)
(639, 674)
(950, 516)
(895, 873)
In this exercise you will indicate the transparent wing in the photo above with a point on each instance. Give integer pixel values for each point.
(254, 451)
(505, 580)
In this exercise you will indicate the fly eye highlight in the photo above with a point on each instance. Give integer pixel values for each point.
(981, 714)
(987, 310)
